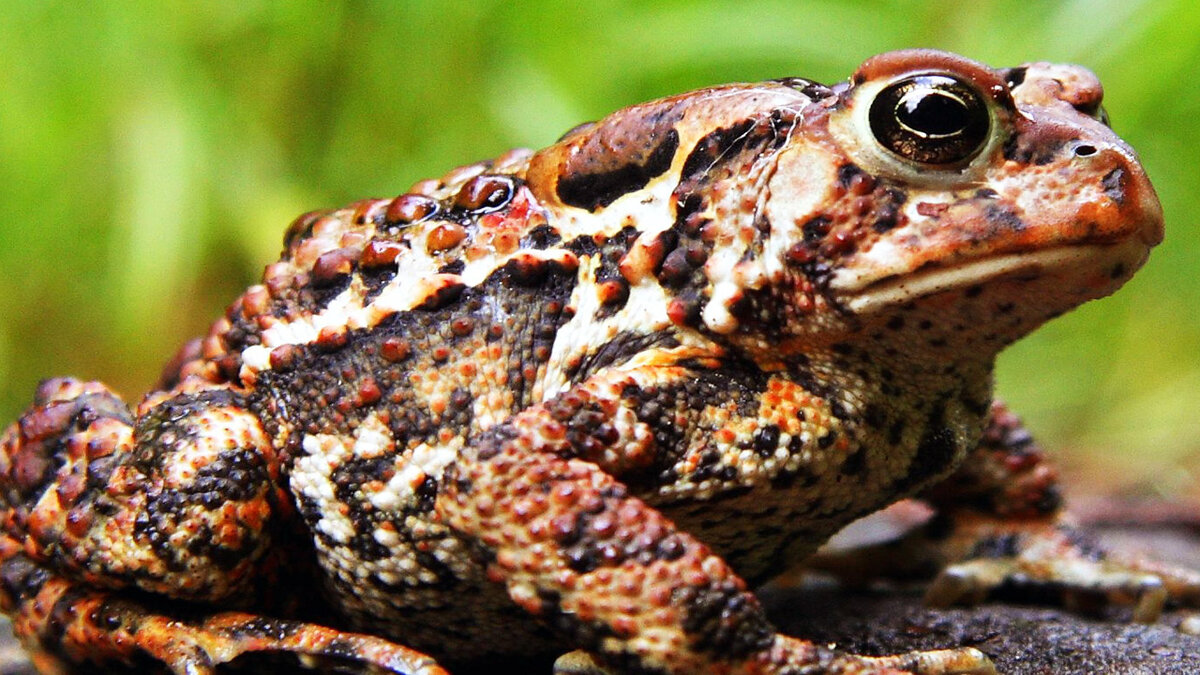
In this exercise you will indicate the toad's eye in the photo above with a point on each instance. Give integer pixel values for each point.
(932, 119)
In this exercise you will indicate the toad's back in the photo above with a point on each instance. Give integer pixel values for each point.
(742, 316)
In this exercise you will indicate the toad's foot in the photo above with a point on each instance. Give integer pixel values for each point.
(1056, 560)
(64, 626)
(965, 661)
(1001, 530)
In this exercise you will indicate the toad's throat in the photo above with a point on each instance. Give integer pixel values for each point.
(1064, 276)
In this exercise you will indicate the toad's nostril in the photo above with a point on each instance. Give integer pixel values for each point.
(1085, 150)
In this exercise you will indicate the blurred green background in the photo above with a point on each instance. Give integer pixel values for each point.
(151, 154)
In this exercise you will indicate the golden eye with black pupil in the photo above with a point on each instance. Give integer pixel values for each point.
(931, 119)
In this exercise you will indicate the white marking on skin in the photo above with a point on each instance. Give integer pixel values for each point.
(644, 312)
(416, 280)
(312, 476)
(256, 358)
(219, 430)
(372, 438)
(647, 209)
(574, 336)
(729, 274)
(388, 538)
(424, 461)
(800, 184)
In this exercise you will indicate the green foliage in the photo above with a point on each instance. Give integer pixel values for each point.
(152, 152)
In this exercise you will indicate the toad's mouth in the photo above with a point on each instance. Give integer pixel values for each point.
(1062, 276)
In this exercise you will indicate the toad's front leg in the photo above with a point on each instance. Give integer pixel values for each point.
(616, 576)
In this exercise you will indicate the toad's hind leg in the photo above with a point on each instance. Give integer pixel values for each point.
(1006, 528)
(69, 628)
(120, 533)
(999, 528)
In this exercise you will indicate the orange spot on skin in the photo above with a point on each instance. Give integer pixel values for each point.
(438, 406)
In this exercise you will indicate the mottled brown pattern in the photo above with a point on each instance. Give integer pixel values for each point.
(583, 397)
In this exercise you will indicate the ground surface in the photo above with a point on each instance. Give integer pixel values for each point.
(1022, 640)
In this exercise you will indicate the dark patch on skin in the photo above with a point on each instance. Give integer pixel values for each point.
(663, 406)
(541, 237)
(588, 429)
(848, 174)
(814, 90)
(935, 454)
(690, 306)
(1037, 151)
(21, 577)
(717, 145)
(320, 295)
(442, 297)
(799, 374)
(657, 407)
(594, 190)
(856, 463)
(788, 478)
(837, 408)
(235, 475)
(616, 351)
(1014, 76)
(766, 440)
(453, 267)
(1002, 216)
(887, 215)
(376, 279)
(588, 546)
(977, 407)
(348, 479)
(738, 381)
(723, 621)
(815, 229)
(1114, 185)
(586, 634)
(611, 252)
(874, 415)
(583, 246)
